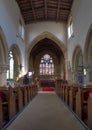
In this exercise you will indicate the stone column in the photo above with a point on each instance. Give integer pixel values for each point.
(72, 75)
(66, 69)
(88, 76)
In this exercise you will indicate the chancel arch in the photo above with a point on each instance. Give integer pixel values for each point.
(77, 65)
(50, 36)
(50, 47)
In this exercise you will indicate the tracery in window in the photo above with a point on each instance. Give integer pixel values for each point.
(10, 72)
(46, 65)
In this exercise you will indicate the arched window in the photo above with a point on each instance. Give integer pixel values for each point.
(21, 29)
(70, 27)
(10, 72)
(46, 65)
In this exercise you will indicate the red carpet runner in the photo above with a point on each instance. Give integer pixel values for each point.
(47, 89)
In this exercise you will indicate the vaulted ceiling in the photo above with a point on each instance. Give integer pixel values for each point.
(45, 10)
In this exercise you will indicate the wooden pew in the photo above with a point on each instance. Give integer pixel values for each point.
(34, 90)
(72, 97)
(28, 93)
(19, 98)
(90, 110)
(22, 89)
(59, 87)
(1, 112)
(7, 104)
(63, 89)
(30, 89)
(25, 95)
(67, 89)
(82, 102)
(11, 103)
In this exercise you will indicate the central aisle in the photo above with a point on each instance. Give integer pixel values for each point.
(46, 112)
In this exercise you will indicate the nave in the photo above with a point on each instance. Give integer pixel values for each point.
(45, 43)
(46, 112)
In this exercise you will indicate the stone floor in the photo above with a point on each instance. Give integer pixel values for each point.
(46, 112)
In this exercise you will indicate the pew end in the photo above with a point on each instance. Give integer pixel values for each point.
(90, 111)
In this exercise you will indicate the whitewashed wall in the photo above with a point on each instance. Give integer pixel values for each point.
(9, 22)
(82, 19)
(35, 29)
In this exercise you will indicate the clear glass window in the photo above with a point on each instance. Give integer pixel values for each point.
(70, 27)
(10, 72)
(21, 29)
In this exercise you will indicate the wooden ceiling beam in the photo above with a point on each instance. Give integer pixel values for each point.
(45, 10)
(33, 10)
(45, 6)
(58, 10)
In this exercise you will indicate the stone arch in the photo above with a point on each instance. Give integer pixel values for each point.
(77, 64)
(49, 36)
(3, 49)
(17, 60)
(16, 51)
(88, 46)
(77, 52)
(88, 56)
(3, 58)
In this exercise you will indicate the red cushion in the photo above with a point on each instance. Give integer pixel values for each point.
(86, 95)
(89, 91)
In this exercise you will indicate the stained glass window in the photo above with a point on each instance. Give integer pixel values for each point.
(46, 65)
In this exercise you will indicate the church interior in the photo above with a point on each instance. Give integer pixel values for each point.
(45, 64)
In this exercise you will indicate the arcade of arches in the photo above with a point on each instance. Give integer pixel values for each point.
(57, 67)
